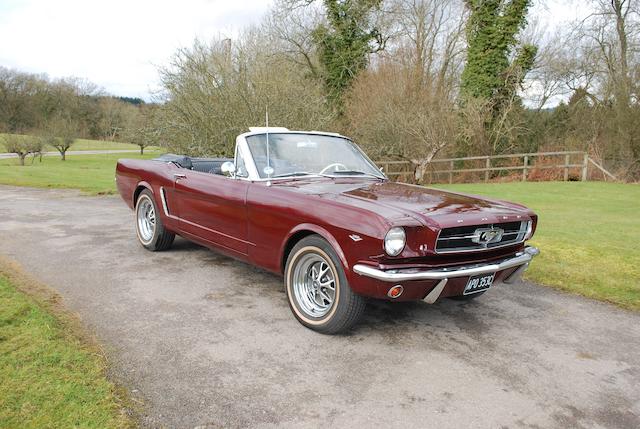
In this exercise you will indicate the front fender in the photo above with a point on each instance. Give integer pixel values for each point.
(324, 233)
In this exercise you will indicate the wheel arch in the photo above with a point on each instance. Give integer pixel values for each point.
(304, 230)
(139, 188)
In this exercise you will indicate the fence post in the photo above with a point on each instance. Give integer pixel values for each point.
(566, 168)
(487, 166)
(585, 162)
(451, 172)
(524, 168)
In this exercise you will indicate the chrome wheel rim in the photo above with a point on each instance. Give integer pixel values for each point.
(314, 285)
(146, 219)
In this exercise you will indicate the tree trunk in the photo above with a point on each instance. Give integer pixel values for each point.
(622, 81)
(423, 164)
(22, 156)
(64, 155)
(141, 150)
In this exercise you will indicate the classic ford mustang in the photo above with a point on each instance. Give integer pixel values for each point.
(312, 207)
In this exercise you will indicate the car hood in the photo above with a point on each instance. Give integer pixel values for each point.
(430, 207)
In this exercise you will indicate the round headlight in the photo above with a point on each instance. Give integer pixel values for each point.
(394, 241)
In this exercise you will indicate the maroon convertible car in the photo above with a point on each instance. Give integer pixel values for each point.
(312, 207)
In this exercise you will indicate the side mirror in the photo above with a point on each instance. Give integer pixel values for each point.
(228, 168)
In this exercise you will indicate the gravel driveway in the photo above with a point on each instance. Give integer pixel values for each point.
(206, 341)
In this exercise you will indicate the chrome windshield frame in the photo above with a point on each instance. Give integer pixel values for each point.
(242, 147)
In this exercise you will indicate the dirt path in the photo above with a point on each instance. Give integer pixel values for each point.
(207, 341)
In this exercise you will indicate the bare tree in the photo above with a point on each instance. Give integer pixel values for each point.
(606, 59)
(113, 117)
(216, 91)
(142, 127)
(546, 82)
(291, 24)
(60, 132)
(610, 38)
(22, 145)
(394, 119)
(404, 107)
(427, 36)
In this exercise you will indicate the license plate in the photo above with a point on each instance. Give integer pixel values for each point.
(479, 283)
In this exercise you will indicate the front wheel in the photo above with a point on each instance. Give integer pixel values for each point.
(151, 232)
(317, 289)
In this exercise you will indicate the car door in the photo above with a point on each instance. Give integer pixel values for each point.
(213, 207)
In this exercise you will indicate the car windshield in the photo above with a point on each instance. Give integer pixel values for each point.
(299, 154)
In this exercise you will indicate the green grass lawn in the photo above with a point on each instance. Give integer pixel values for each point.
(84, 144)
(588, 234)
(93, 174)
(50, 378)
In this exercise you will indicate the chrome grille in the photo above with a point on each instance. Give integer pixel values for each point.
(481, 237)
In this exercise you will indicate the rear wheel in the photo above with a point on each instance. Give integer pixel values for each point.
(317, 289)
(151, 232)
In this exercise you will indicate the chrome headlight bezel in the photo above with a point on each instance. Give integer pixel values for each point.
(394, 241)
(529, 231)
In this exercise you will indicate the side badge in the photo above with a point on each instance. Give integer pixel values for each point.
(355, 237)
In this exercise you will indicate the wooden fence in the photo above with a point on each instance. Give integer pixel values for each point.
(498, 165)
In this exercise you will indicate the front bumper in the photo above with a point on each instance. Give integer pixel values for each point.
(520, 261)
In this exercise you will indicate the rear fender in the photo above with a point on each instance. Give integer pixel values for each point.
(139, 188)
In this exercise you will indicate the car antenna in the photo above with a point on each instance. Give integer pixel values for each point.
(268, 169)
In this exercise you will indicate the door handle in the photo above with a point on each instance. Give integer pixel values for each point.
(177, 176)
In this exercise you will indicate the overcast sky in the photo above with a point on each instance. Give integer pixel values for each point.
(118, 44)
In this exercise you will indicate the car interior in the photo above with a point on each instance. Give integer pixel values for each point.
(213, 165)
(204, 165)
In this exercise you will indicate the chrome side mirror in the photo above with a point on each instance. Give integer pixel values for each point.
(228, 168)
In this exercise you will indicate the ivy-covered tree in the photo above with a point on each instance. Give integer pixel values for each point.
(492, 72)
(495, 69)
(345, 42)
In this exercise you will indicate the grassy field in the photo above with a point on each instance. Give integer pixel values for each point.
(93, 174)
(50, 377)
(588, 234)
(83, 144)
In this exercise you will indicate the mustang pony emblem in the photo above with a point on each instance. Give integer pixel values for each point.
(486, 236)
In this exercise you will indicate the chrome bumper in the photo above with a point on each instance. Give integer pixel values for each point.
(521, 259)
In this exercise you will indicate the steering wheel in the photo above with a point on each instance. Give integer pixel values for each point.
(338, 167)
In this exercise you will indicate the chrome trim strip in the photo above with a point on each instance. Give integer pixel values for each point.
(213, 231)
(435, 292)
(521, 258)
(252, 169)
(164, 201)
(242, 147)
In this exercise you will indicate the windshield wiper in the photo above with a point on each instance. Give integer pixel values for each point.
(295, 173)
(355, 173)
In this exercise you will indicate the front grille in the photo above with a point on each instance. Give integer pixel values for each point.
(476, 237)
